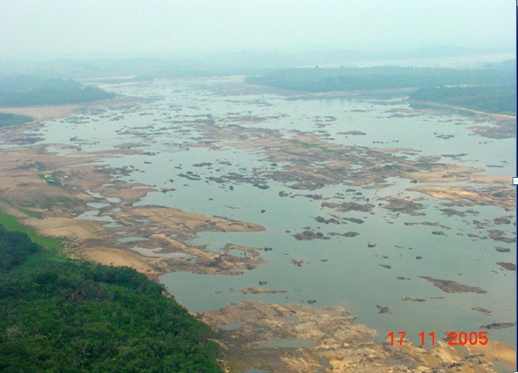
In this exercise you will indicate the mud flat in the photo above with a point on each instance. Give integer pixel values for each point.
(50, 112)
(468, 196)
(403, 205)
(503, 127)
(298, 338)
(55, 190)
(307, 162)
(41, 113)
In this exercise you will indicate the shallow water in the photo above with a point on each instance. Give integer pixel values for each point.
(342, 270)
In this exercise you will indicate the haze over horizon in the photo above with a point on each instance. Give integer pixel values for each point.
(37, 29)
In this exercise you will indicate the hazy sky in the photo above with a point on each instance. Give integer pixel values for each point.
(78, 28)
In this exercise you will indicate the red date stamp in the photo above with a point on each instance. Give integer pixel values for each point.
(453, 338)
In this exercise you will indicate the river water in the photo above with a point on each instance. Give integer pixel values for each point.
(345, 271)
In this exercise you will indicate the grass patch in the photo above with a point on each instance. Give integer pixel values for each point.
(32, 214)
(52, 202)
(30, 166)
(51, 179)
(11, 223)
(325, 149)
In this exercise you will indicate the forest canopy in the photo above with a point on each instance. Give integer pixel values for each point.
(490, 89)
(35, 90)
(493, 99)
(75, 316)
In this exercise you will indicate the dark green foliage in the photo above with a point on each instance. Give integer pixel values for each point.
(81, 317)
(8, 119)
(31, 90)
(23, 245)
(375, 78)
(493, 99)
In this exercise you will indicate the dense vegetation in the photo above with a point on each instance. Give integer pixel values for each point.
(375, 78)
(33, 90)
(70, 316)
(492, 99)
(8, 119)
(491, 89)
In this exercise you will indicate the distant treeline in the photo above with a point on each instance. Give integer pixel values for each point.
(492, 99)
(376, 78)
(33, 90)
(8, 119)
(75, 316)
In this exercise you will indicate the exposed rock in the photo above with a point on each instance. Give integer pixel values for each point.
(508, 266)
(253, 290)
(502, 220)
(413, 299)
(349, 206)
(190, 175)
(352, 133)
(403, 205)
(309, 235)
(427, 223)
(482, 310)
(355, 220)
(452, 212)
(202, 164)
(312, 196)
(320, 219)
(450, 286)
(498, 325)
(499, 235)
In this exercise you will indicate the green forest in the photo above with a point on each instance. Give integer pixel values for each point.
(34, 90)
(384, 77)
(62, 315)
(491, 89)
(493, 99)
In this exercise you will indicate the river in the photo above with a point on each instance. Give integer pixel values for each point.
(379, 266)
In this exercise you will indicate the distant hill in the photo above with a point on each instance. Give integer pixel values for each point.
(510, 64)
(239, 62)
